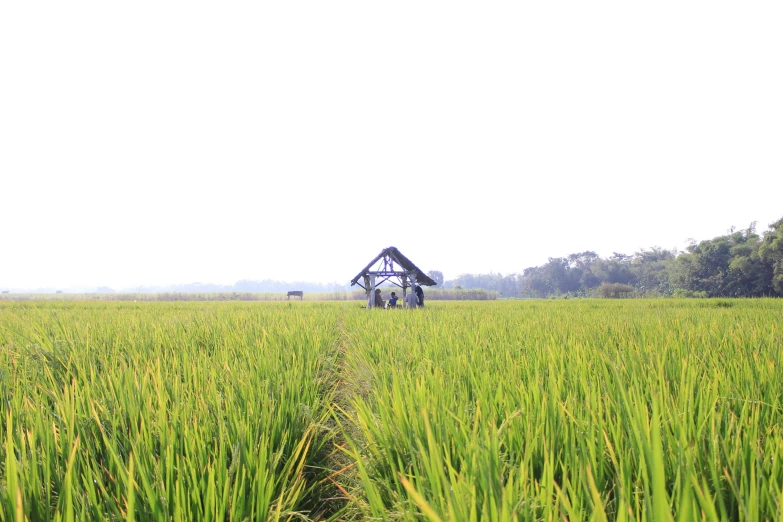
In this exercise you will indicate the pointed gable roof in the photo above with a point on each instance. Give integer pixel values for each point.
(395, 256)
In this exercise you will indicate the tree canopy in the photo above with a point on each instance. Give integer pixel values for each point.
(741, 263)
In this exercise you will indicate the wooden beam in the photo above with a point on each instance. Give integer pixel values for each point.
(379, 283)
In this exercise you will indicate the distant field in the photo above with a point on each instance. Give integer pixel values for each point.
(502, 410)
(438, 294)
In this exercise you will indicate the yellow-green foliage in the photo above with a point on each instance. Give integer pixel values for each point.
(167, 411)
(554, 410)
(511, 410)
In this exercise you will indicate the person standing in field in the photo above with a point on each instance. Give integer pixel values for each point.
(411, 301)
(393, 300)
(420, 296)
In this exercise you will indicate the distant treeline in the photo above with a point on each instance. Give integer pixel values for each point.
(440, 294)
(741, 263)
(266, 286)
(244, 286)
(179, 296)
(435, 294)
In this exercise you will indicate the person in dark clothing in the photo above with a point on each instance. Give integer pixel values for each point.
(378, 299)
(420, 295)
(393, 300)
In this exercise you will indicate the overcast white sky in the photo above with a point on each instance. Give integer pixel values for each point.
(171, 142)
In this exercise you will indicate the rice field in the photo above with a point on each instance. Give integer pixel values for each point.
(501, 410)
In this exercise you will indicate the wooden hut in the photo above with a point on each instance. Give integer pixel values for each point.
(393, 267)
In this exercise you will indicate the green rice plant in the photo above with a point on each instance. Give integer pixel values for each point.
(635, 410)
(158, 411)
(504, 410)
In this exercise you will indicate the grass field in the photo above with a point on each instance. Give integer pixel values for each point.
(500, 410)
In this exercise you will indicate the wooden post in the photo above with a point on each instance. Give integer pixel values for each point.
(371, 301)
(412, 277)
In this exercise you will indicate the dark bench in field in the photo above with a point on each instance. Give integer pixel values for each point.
(296, 293)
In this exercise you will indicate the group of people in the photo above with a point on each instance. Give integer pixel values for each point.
(413, 300)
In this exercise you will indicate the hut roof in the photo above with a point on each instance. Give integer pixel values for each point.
(396, 256)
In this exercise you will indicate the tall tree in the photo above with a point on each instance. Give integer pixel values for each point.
(771, 251)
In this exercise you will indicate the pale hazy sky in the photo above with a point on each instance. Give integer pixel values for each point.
(171, 142)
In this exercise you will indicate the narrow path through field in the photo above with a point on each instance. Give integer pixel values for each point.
(342, 492)
(334, 495)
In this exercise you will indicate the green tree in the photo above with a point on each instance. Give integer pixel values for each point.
(650, 269)
(616, 269)
(726, 266)
(437, 276)
(771, 252)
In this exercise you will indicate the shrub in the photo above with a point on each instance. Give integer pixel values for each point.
(614, 290)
